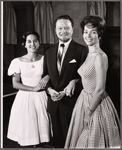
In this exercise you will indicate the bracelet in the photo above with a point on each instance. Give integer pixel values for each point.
(90, 110)
(32, 89)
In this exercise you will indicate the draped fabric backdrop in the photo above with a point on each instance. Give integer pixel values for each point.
(10, 25)
(97, 8)
(43, 21)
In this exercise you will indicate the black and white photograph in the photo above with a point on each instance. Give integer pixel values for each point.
(60, 74)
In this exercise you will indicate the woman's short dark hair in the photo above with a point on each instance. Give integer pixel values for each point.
(94, 21)
(67, 17)
(28, 33)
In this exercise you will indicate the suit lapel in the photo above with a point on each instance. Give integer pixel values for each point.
(68, 55)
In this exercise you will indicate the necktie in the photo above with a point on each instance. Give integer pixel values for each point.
(59, 57)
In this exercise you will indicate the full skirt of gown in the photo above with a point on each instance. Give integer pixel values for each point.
(29, 121)
(103, 130)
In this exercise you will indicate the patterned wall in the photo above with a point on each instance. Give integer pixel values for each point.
(77, 10)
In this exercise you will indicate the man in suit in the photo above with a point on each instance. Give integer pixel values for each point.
(62, 88)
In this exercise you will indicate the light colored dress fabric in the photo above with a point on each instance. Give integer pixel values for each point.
(103, 130)
(29, 122)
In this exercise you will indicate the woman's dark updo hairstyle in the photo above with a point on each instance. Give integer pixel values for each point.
(28, 33)
(95, 22)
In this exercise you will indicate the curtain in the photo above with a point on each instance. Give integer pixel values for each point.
(97, 8)
(43, 21)
(10, 25)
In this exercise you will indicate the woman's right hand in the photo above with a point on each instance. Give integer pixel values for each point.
(87, 117)
(38, 87)
(44, 81)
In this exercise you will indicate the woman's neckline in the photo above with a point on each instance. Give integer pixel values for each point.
(20, 58)
(94, 52)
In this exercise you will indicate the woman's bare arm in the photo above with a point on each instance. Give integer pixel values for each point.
(18, 85)
(101, 66)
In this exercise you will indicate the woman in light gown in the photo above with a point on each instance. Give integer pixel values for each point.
(95, 122)
(29, 122)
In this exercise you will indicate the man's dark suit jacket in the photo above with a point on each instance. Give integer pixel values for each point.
(75, 52)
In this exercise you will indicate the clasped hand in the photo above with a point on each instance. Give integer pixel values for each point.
(68, 91)
(56, 96)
